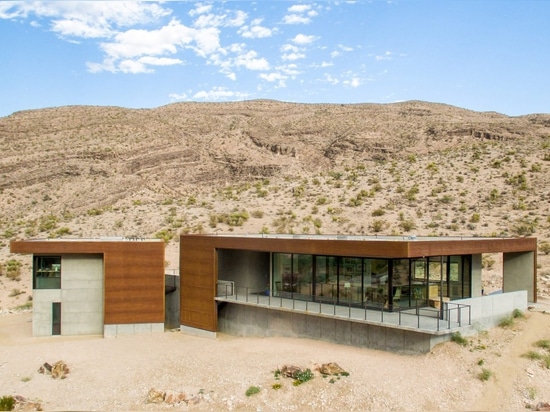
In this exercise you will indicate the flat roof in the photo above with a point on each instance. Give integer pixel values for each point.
(386, 238)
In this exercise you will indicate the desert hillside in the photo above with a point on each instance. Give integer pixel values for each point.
(273, 167)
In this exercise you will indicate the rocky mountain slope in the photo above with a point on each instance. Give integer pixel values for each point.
(272, 167)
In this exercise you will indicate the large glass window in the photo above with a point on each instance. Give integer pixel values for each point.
(376, 281)
(47, 272)
(326, 269)
(400, 282)
(302, 268)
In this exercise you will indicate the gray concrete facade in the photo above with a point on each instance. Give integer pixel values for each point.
(81, 298)
(110, 331)
(518, 273)
(247, 320)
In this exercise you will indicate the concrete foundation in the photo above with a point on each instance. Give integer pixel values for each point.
(247, 320)
(110, 331)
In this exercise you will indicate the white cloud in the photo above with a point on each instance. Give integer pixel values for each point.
(274, 77)
(332, 80)
(302, 39)
(255, 30)
(299, 14)
(134, 43)
(201, 9)
(354, 82)
(86, 18)
(293, 56)
(299, 8)
(219, 93)
(296, 19)
(250, 61)
(386, 56)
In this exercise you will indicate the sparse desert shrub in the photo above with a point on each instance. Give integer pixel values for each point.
(7, 403)
(518, 314)
(15, 292)
(458, 338)
(378, 225)
(506, 322)
(475, 218)
(258, 214)
(303, 376)
(276, 386)
(543, 343)
(253, 390)
(13, 269)
(544, 247)
(378, 212)
(407, 225)
(485, 374)
(532, 355)
(487, 262)
(165, 234)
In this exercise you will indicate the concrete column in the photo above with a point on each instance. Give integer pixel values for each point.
(476, 275)
(519, 273)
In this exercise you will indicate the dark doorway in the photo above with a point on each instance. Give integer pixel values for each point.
(56, 318)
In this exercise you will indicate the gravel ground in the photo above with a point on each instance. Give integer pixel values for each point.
(117, 374)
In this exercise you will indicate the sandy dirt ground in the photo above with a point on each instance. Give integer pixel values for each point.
(116, 374)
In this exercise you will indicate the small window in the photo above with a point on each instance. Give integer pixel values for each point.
(47, 272)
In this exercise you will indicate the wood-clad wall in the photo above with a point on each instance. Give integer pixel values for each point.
(133, 275)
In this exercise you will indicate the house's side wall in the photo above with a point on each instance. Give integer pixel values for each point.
(246, 268)
(81, 298)
(42, 300)
(134, 285)
(476, 275)
(519, 273)
(198, 277)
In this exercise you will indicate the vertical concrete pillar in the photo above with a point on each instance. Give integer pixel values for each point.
(476, 275)
(519, 273)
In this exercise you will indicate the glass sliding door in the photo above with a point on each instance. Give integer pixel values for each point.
(375, 282)
(419, 282)
(400, 294)
(326, 278)
(302, 269)
(350, 280)
(455, 277)
(284, 282)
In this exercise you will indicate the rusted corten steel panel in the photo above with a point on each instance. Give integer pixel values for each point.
(470, 246)
(198, 283)
(133, 274)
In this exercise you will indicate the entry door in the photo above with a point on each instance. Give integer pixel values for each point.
(56, 318)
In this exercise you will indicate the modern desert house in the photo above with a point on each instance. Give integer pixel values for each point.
(396, 293)
(105, 286)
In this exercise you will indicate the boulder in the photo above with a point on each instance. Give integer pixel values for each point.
(155, 396)
(331, 368)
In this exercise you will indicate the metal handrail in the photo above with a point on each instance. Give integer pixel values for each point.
(397, 315)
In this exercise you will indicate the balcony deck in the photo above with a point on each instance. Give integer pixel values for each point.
(421, 319)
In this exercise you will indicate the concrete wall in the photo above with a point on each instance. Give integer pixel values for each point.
(172, 302)
(476, 275)
(518, 273)
(245, 268)
(132, 329)
(488, 311)
(245, 320)
(81, 298)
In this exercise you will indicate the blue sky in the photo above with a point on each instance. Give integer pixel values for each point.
(485, 55)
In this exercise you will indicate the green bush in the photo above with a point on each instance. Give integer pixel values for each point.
(485, 374)
(458, 338)
(253, 390)
(533, 355)
(303, 376)
(543, 343)
(7, 403)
